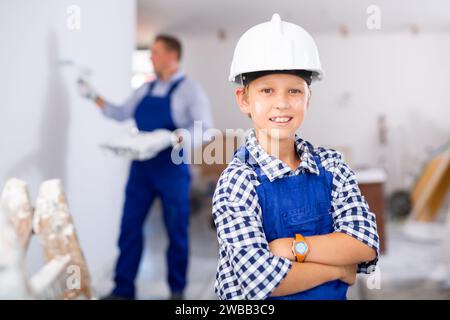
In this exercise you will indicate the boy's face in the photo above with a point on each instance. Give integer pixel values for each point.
(276, 103)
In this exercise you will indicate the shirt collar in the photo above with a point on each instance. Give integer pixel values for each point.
(273, 167)
(176, 76)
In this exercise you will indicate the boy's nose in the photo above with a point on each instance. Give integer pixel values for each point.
(281, 104)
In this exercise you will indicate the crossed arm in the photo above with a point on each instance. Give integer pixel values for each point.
(330, 257)
(336, 249)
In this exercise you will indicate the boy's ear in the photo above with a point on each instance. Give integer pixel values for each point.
(242, 101)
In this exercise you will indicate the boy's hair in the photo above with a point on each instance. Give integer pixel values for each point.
(171, 43)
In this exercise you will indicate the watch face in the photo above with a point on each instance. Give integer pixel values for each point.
(301, 247)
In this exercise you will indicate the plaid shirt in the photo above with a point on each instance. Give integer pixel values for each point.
(246, 268)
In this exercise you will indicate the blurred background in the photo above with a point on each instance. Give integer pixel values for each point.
(383, 103)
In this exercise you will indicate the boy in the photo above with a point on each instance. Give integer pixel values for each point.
(291, 221)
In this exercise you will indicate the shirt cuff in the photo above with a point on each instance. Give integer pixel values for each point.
(264, 289)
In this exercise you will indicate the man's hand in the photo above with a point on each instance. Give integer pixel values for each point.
(99, 102)
(85, 89)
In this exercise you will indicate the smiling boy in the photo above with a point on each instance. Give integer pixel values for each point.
(291, 221)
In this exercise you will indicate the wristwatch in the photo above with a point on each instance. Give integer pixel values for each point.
(299, 248)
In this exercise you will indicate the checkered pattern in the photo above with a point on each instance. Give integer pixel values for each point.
(246, 268)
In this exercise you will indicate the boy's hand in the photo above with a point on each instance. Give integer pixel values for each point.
(349, 274)
(282, 247)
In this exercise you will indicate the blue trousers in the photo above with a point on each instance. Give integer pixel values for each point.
(147, 180)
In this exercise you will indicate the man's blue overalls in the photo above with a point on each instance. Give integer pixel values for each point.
(157, 177)
(297, 204)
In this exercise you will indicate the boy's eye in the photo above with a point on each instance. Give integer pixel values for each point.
(266, 90)
(295, 91)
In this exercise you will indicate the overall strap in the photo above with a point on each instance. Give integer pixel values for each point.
(316, 158)
(171, 89)
(318, 163)
(150, 88)
(174, 86)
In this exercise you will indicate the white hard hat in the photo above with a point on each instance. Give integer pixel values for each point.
(275, 45)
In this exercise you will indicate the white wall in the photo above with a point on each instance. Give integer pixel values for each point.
(401, 76)
(47, 130)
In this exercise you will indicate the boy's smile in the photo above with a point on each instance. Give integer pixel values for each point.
(281, 120)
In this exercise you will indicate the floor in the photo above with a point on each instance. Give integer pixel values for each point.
(152, 282)
(415, 265)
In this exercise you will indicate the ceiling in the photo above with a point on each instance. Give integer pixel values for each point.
(210, 16)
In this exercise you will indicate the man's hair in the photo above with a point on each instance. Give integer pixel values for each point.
(171, 43)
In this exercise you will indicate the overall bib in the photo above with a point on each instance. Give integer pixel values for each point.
(157, 177)
(298, 204)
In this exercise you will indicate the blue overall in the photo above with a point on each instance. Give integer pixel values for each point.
(298, 204)
(157, 177)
